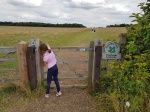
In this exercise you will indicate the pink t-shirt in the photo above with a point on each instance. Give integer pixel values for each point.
(50, 59)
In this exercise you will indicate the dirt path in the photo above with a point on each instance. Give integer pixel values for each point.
(72, 100)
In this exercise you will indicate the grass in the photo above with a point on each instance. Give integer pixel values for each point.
(11, 96)
(10, 36)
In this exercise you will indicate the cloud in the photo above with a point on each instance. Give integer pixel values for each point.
(87, 12)
(89, 1)
(28, 3)
(84, 4)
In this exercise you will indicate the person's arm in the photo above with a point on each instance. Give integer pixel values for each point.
(49, 49)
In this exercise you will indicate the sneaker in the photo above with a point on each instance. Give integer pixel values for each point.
(46, 95)
(59, 93)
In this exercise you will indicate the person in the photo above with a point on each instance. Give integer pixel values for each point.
(50, 59)
(94, 29)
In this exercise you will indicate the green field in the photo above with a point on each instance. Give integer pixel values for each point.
(10, 35)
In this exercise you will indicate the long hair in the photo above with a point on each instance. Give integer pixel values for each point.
(43, 47)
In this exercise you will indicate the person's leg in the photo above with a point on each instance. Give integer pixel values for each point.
(49, 79)
(55, 75)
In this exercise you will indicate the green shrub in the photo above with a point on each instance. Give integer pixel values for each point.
(128, 81)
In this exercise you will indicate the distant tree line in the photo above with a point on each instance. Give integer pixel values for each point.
(119, 25)
(38, 24)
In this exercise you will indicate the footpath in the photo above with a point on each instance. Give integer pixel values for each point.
(72, 100)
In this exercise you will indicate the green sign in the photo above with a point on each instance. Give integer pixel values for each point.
(112, 47)
(112, 50)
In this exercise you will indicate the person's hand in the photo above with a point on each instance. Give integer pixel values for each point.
(48, 46)
(44, 63)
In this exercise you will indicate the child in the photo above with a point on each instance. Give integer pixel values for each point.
(50, 60)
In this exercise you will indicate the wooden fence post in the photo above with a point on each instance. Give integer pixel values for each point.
(31, 65)
(122, 38)
(90, 64)
(22, 65)
(97, 63)
(38, 62)
(36, 43)
(122, 42)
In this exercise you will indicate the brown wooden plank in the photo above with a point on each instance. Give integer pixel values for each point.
(7, 49)
(77, 49)
(69, 78)
(9, 79)
(72, 61)
(73, 78)
(8, 69)
(8, 59)
(72, 72)
(71, 86)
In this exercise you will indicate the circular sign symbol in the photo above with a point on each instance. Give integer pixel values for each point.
(112, 48)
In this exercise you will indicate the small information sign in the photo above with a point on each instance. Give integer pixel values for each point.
(111, 51)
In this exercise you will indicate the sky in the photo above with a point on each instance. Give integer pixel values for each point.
(90, 13)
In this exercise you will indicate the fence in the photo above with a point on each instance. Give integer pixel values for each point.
(70, 60)
(6, 56)
(32, 70)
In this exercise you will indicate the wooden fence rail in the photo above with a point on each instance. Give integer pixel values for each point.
(6, 58)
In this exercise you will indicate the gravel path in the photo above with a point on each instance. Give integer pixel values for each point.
(72, 100)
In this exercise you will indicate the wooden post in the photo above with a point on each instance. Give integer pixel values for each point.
(36, 43)
(31, 64)
(122, 42)
(38, 63)
(90, 66)
(122, 38)
(22, 65)
(97, 63)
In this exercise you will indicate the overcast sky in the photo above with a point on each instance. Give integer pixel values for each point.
(91, 13)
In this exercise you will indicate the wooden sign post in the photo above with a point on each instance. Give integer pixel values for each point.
(97, 63)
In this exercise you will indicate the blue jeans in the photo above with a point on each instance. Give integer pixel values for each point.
(52, 73)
